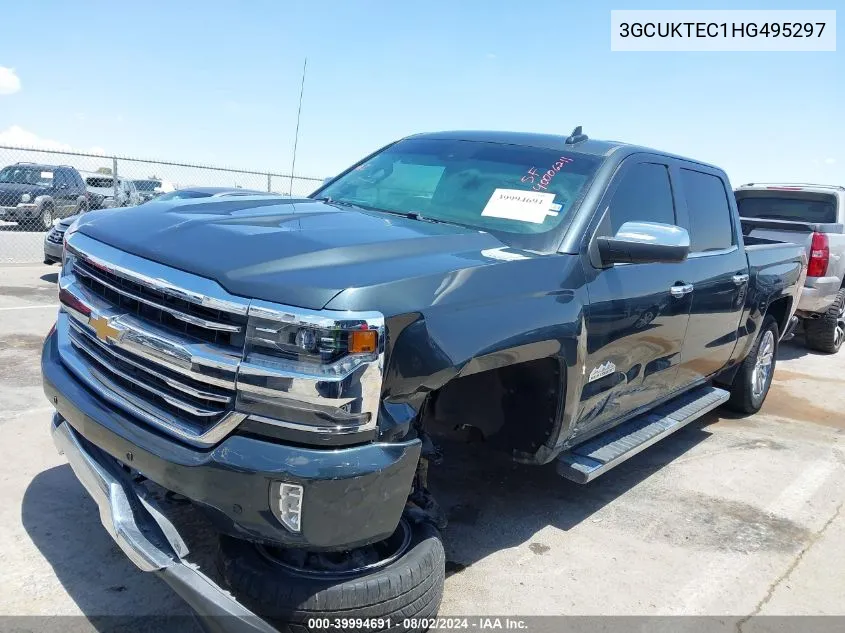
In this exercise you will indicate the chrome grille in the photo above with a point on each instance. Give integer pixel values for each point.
(55, 236)
(180, 394)
(175, 342)
(160, 307)
(167, 347)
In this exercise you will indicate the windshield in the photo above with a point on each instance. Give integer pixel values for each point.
(183, 195)
(818, 208)
(147, 185)
(509, 190)
(27, 175)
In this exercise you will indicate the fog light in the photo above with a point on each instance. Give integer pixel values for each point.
(289, 506)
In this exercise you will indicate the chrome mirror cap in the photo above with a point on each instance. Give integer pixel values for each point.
(653, 233)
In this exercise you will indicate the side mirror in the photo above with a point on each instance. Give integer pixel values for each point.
(63, 186)
(644, 243)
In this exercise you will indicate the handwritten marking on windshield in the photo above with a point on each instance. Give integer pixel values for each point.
(546, 178)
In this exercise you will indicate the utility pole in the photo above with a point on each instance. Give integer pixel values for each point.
(296, 135)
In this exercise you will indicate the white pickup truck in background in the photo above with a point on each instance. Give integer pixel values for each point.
(813, 215)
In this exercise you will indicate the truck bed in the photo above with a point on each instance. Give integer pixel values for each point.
(763, 253)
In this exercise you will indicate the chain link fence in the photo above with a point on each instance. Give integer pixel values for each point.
(39, 187)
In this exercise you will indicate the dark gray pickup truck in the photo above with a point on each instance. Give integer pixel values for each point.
(288, 365)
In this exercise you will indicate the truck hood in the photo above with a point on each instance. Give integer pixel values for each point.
(298, 252)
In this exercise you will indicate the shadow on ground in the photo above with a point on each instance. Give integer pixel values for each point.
(796, 347)
(494, 504)
(63, 523)
(476, 490)
(51, 278)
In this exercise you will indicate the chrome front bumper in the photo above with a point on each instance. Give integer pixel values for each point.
(149, 539)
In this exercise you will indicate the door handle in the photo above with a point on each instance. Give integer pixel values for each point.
(681, 290)
(740, 279)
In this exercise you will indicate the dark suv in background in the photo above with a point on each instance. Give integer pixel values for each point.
(33, 195)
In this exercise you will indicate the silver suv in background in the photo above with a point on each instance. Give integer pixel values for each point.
(150, 188)
(812, 215)
(108, 194)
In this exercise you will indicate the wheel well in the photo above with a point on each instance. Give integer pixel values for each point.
(779, 309)
(511, 408)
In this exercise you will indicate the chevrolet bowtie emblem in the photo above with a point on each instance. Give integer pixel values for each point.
(103, 328)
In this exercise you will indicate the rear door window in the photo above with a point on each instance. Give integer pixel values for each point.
(643, 195)
(710, 228)
(61, 178)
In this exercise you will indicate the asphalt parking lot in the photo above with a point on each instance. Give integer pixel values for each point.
(730, 516)
(19, 246)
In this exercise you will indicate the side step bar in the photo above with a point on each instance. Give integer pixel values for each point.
(596, 456)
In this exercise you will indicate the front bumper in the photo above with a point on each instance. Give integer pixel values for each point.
(19, 211)
(820, 296)
(352, 496)
(147, 536)
(52, 251)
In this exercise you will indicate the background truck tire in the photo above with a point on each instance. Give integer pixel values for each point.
(409, 587)
(46, 217)
(827, 333)
(746, 397)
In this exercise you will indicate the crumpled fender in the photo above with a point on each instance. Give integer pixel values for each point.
(501, 316)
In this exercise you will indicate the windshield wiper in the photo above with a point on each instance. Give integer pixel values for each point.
(411, 215)
(340, 203)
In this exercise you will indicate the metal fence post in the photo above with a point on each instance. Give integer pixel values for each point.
(114, 177)
(268, 183)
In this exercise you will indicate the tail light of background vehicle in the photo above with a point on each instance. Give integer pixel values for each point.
(819, 255)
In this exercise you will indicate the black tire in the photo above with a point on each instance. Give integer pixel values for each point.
(747, 396)
(46, 217)
(827, 333)
(82, 207)
(409, 587)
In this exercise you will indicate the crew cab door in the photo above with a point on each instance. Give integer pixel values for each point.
(716, 267)
(637, 315)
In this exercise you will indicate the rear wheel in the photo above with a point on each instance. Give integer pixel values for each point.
(827, 333)
(754, 377)
(398, 578)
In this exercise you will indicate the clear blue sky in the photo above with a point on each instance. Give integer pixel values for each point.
(218, 82)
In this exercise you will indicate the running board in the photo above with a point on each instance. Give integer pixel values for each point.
(596, 456)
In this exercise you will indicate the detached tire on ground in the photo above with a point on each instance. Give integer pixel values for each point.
(411, 586)
(754, 376)
(827, 333)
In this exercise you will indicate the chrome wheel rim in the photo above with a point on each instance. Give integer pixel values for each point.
(839, 332)
(48, 218)
(763, 367)
(322, 565)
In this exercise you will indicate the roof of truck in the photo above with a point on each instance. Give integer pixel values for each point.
(789, 186)
(550, 141)
(528, 139)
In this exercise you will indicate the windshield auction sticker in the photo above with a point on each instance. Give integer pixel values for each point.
(516, 204)
(723, 30)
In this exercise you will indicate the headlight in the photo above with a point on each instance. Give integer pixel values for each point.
(320, 344)
(26, 197)
(309, 371)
